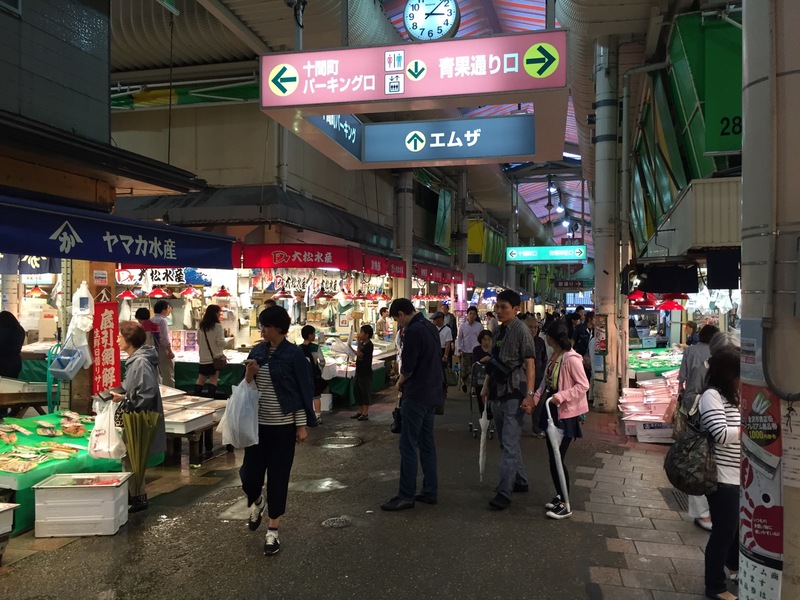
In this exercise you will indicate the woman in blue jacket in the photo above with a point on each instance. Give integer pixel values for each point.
(286, 389)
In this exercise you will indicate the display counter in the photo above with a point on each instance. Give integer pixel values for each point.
(648, 364)
(21, 483)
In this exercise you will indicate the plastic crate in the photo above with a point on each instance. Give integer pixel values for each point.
(67, 364)
(81, 504)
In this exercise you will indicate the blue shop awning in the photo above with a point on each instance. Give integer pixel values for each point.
(28, 227)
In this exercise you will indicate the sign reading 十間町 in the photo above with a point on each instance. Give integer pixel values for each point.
(546, 254)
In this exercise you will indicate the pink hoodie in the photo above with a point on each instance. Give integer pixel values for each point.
(572, 387)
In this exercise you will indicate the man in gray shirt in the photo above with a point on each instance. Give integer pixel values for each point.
(466, 342)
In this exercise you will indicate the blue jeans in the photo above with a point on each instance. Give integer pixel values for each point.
(508, 424)
(416, 436)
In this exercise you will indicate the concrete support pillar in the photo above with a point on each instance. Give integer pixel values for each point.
(606, 215)
(404, 229)
(463, 228)
(513, 238)
(770, 284)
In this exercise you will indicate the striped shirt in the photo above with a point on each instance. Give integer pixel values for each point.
(269, 409)
(723, 421)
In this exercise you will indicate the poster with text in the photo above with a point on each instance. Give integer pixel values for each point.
(106, 368)
(600, 334)
(761, 501)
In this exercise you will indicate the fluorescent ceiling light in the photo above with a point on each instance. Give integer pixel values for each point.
(570, 155)
(565, 223)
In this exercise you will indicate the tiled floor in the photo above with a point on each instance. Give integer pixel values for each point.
(662, 549)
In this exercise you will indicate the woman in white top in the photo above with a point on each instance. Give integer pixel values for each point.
(210, 344)
(720, 416)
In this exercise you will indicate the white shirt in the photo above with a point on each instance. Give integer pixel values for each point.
(445, 335)
(468, 336)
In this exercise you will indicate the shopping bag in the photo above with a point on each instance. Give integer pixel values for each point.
(239, 424)
(105, 441)
(451, 377)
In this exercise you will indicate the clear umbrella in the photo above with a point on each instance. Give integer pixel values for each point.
(484, 423)
(554, 436)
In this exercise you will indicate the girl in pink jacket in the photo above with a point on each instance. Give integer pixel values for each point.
(564, 388)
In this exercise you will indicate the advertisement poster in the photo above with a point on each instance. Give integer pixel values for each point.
(105, 371)
(761, 503)
(791, 446)
(600, 334)
(751, 340)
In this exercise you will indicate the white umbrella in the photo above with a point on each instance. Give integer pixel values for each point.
(554, 436)
(484, 423)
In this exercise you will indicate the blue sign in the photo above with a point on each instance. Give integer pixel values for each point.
(485, 137)
(345, 130)
(58, 231)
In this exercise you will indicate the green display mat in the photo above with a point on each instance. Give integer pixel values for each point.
(343, 386)
(24, 516)
(652, 365)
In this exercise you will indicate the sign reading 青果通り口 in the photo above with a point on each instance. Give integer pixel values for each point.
(463, 67)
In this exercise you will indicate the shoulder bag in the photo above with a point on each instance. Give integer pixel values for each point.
(690, 465)
(220, 362)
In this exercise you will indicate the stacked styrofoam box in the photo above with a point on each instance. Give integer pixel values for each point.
(81, 504)
(643, 408)
(6, 517)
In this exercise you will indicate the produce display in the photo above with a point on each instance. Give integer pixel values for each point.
(21, 451)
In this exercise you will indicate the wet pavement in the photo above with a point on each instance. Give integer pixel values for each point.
(193, 542)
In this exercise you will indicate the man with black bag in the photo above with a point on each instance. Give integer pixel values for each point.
(511, 375)
(420, 382)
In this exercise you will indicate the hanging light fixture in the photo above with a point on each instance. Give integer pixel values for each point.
(282, 295)
(671, 305)
(126, 295)
(189, 291)
(159, 293)
(322, 295)
(35, 292)
(636, 295)
(221, 293)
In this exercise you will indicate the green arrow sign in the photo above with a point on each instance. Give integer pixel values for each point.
(416, 70)
(280, 79)
(415, 141)
(546, 254)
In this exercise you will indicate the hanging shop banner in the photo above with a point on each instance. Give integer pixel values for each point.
(27, 264)
(462, 67)
(375, 265)
(106, 367)
(437, 274)
(130, 275)
(455, 276)
(397, 268)
(63, 232)
(484, 137)
(761, 494)
(302, 256)
(422, 272)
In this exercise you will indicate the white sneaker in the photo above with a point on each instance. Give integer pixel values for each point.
(256, 511)
(272, 544)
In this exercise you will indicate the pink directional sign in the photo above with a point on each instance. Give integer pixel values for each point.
(462, 67)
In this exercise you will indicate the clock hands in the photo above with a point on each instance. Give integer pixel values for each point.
(433, 12)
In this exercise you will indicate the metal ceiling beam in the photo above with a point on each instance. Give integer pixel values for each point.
(223, 14)
(490, 14)
(189, 73)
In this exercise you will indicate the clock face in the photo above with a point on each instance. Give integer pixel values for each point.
(428, 20)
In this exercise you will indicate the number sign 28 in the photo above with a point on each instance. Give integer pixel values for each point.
(731, 126)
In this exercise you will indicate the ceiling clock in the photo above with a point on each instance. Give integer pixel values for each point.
(430, 20)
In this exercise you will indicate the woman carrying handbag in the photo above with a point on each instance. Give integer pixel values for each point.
(211, 344)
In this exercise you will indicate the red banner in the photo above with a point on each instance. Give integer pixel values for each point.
(105, 371)
(302, 256)
(397, 268)
(437, 274)
(456, 276)
(375, 265)
(422, 272)
(470, 280)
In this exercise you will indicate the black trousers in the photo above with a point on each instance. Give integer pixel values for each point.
(554, 469)
(722, 549)
(272, 458)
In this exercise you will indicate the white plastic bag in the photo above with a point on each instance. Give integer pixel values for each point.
(239, 424)
(105, 441)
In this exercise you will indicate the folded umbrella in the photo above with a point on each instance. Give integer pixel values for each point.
(484, 423)
(554, 436)
(139, 429)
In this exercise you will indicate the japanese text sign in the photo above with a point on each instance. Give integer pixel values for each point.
(422, 272)
(466, 66)
(106, 367)
(302, 256)
(59, 231)
(375, 265)
(545, 254)
(511, 135)
(437, 274)
(397, 268)
(345, 130)
(134, 276)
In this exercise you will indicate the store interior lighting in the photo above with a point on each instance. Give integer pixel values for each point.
(322, 295)
(35, 292)
(221, 293)
(159, 293)
(671, 305)
(126, 295)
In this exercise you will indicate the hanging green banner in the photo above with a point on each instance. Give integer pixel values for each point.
(723, 89)
(443, 213)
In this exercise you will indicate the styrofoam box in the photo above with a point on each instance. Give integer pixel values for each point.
(654, 433)
(7, 384)
(72, 505)
(186, 421)
(7, 517)
(219, 407)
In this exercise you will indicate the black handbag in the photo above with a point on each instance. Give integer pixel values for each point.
(397, 421)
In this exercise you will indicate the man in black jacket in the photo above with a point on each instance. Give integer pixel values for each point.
(421, 383)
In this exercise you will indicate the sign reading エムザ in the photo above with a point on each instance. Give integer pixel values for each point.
(522, 62)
